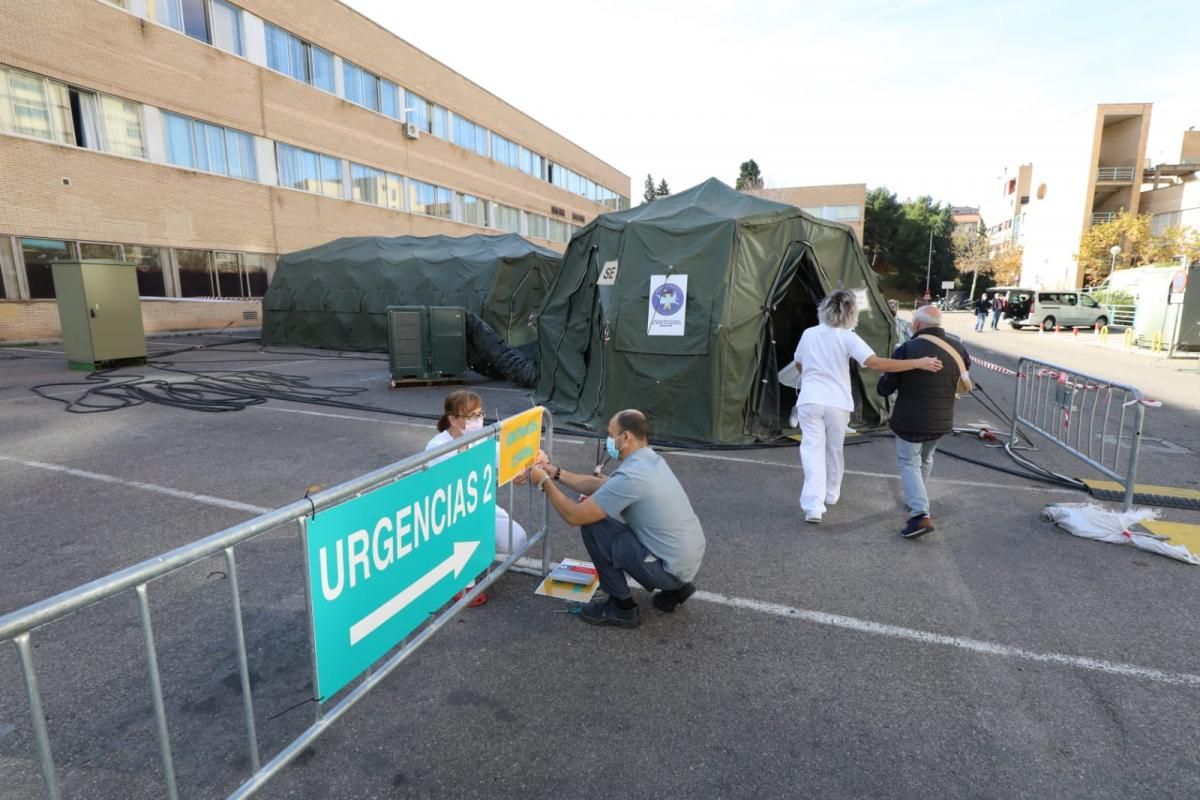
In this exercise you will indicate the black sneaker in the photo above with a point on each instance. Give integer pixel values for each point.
(668, 599)
(605, 612)
(916, 526)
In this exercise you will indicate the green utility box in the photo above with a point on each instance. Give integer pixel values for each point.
(100, 313)
(426, 342)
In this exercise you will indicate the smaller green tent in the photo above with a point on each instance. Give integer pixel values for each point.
(688, 306)
(335, 295)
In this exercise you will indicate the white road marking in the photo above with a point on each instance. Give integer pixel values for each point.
(860, 473)
(817, 617)
(428, 426)
(973, 645)
(220, 502)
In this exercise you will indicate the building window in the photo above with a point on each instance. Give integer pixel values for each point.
(474, 210)
(210, 148)
(361, 87)
(508, 218)
(254, 270)
(471, 136)
(369, 185)
(299, 59)
(195, 278)
(149, 270)
(537, 225)
(39, 254)
(227, 275)
(110, 252)
(309, 171)
(30, 105)
(1159, 223)
(227, 27)
(416, 111)
(389, 98)
(433, 201)
(122, 124)
(556, 230)
(186, 16)
(506, 152)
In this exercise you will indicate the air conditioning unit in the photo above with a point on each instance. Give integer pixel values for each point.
(426, 342)
(411, 130)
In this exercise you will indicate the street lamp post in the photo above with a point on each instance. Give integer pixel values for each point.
(1115, 250)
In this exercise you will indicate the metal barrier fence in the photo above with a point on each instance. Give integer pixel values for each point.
(1063, 405)
(19, 625)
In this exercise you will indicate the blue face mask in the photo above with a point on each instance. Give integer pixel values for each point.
(611, 445)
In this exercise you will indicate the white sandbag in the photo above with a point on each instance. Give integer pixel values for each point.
(1092, 521)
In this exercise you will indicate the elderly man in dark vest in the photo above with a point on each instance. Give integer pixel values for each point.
(923, 411)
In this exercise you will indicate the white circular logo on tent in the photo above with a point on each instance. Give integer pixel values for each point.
(667, 299)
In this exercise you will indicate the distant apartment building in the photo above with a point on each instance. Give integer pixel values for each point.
(1171, 192)
(202, 138)
(1004, 210)
(841, 202)
(1086, 169)
(966, 220)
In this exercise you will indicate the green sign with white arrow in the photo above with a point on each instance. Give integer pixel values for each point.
(380, 564)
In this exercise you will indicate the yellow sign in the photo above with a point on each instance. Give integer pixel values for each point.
(520, 439)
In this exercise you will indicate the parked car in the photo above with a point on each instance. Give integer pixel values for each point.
(1068, 308)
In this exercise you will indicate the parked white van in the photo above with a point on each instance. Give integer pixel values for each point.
(1067, 308)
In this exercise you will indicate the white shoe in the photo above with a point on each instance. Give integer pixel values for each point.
(812, 519)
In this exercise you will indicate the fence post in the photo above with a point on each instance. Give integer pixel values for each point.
(41, 736)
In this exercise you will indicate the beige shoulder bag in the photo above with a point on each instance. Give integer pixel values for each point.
(965, 384)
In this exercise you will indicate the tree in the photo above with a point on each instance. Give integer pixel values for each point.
(972, 254)
(896, 238)
(1139, 245)
(1006, 264)
(749, 176)
(649, 194)
(663, 190)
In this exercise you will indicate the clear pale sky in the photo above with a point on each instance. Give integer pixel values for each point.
(924, 97)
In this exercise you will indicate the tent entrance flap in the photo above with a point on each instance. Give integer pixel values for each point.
(799, 289)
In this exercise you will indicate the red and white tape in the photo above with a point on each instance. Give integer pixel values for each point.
(991, 366)
(1063, 378)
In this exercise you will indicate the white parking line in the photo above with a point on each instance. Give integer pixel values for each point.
(973, 645)
(759, 606)
(221, 502)
(785, 465)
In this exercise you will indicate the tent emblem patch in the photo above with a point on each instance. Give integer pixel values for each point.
(668, 299)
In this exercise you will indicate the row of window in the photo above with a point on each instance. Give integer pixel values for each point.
(220, 23)
(842, 213)
(196, 273)
(35, 106)
(31, 105)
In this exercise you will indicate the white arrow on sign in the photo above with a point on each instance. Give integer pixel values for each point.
(455, 563)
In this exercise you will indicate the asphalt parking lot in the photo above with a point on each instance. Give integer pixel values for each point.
(996, 657)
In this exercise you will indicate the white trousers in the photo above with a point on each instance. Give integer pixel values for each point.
(518, 533)
(823, 429)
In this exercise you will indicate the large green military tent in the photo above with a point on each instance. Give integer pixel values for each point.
(335, 295)
(615, 333)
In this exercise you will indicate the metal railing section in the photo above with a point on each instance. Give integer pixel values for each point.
(1101, 217)
(1095, 420)
(1115, 174)
(20, 625)
(1122, 315)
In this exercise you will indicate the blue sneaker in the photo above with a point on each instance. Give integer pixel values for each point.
(916, 526)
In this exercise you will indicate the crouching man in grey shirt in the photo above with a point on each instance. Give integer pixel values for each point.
(637, 521)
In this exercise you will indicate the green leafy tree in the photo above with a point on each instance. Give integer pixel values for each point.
(648, 194)
(1139, 245)
(749, 176)
(663, 190)
(897, 240)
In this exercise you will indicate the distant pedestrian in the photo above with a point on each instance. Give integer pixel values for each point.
(825, 402)
(982, 307)
(923, 411)
(998, 306)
